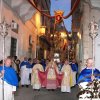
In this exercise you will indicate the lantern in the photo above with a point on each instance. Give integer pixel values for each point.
(63, 34)
(42, 30)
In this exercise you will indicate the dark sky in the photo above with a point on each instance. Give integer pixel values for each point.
(64, 5)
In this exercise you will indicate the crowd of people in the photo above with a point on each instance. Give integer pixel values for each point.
(43, 74)
(48, 74)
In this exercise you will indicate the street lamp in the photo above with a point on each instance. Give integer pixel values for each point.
(79, 35)
(42, 30)
(93, 28)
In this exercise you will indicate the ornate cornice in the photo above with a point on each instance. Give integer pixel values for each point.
(90, 5)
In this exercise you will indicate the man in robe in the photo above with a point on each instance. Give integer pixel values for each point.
(51, 82)
(18, 69)
(66, 81)
(2, 72)
(1, 62)
(9, 79)
(35, 81)
(43, 63)
(74, 67)
(25, 71)
(14, 58)
(88, 74)
(34, 62)
(15, 65)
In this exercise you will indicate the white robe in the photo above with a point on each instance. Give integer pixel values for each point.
(25, 75)
(65, 84)
(35, 82)
(8, 89)
(73, 78)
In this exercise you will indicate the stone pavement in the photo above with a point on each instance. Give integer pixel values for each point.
(29, 94)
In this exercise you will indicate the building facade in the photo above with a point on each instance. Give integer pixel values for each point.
(88, 10)
(43, 44)
(20, 37)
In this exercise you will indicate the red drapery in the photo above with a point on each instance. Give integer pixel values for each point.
(43, 78)
(65, 17)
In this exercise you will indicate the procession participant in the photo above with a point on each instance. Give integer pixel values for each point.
(34, 62)
(51, 76)
(9, 77)
(24, 67)
(1, 62)
(88, 74)
(15, 64)
(30, 68)
(43, 63)
(74, 67)
(18, 69)
(65, 85)
(2, 72)
(35, 81)
(14, 58)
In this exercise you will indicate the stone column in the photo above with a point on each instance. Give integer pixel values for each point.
(87, 42)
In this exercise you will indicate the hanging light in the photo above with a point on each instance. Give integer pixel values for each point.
(51, 35)
(63, 34)
(70, 34)
(42, 30)
(79, 35)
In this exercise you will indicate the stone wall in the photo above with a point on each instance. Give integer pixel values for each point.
(87, 17)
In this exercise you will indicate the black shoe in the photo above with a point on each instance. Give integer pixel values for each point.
(53, 90)
(22, 85)
(27, 86)
(18, 86)
(38, 89)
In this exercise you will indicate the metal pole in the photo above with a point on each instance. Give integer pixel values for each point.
(3, 32)
(2, 48)
(93, 48)
(68, 52)
(3, 67)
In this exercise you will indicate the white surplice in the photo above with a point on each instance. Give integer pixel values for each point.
(25, 75)
(8, 91)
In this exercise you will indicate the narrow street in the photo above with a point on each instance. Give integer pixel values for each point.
(53, 43)
(43, 94)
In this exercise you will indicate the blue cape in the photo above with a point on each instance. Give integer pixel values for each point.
(10, 75)
(74, 67)
(85, 75)
(28, 65)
